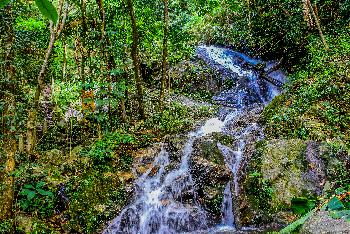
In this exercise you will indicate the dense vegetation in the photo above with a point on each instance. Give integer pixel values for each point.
(84, 84)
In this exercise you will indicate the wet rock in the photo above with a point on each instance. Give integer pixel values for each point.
(210, 175)
(62, 199)
(282, 164)
(143, 159)
(154, 170)
(315, 176)
(322, 223)
(175, 146)
(127, 177)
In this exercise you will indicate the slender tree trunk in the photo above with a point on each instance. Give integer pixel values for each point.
(109, 60)
(317, 22)
(82, 52)
(64, 66)
(135, 58)
(124, 100)
(10, 148)
(31, 124)
(165, 56)
(9, 143)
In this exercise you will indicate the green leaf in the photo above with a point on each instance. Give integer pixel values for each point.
(302, 205)
(24, 204)
(291, 227)
(24, 192)
(340, 191)
(47, 9)
(3, 3)
(340, 214)
(40, 184)
(45, 193)
(335, 204)
(30, 194)
(28, 186)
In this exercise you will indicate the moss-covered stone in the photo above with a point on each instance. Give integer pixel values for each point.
(322, 223)
(95, 199)
(282, 165)
(210, 174)
(281, 170)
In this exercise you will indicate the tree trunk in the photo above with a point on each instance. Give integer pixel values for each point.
(109, 60)
(135, 58)
(9, 143)
(31, 124)
(64, 65)
(83, 36)
(318, 24)
(124, 100)
(165, 56)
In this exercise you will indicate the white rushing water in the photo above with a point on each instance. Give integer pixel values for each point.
(165, 199)
(218, 55)
(228, 218)
(160, 206)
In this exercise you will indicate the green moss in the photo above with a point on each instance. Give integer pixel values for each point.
(6, 226)
(335, 155)
(95, 199)
(213, 203)
(211, 152)
(274, 176)
(224, 139)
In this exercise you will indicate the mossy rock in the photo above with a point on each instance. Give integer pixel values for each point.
(94, 200)
(210, 174)
(322, 223)
(282, 165)
(281, 170)
(336, 156)
(274, 176)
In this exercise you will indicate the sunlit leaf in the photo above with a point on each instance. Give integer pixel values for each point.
(340, 214)
(47, 9)
(45, 193)
(29, 193)
(28, 186)
(335, 204)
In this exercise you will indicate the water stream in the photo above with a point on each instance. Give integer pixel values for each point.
(165, 199)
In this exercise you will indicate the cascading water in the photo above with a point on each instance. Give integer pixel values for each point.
(160, 206)
(228, 218)
(165, 199)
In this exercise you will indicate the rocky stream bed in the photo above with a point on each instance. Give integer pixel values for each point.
(225, 176)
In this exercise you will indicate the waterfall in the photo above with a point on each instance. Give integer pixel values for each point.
(227, 208)
(165, 199)
(159, 206)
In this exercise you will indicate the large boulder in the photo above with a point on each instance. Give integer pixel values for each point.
(322, 223)
(281, 170)
(210, 174)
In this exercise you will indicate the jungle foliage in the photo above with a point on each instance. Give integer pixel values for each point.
(74, 75)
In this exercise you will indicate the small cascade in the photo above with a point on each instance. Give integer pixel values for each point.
(165, 201)
(233, 159)
(228, 219)
(165, 197)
